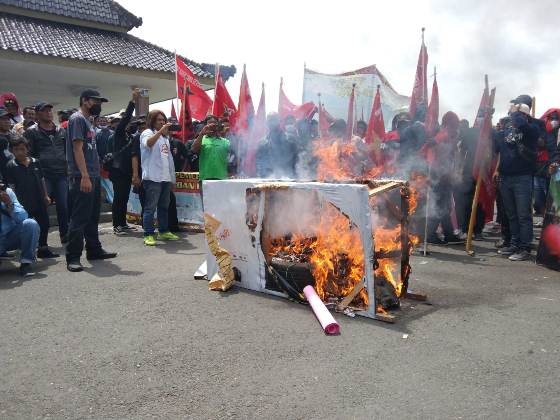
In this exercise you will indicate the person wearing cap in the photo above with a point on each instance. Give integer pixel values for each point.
(85, 185)
(517, 146)
(47, 143)
(6, 135)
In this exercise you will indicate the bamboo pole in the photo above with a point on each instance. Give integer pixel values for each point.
(427, 210)
(473, 215)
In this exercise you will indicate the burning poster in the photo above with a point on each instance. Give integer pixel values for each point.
(335, 90)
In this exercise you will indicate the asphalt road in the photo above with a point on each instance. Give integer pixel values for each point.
(138, 337)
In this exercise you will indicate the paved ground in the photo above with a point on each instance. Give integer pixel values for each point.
(139, 338)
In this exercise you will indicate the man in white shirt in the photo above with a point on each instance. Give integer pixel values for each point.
(158, 177)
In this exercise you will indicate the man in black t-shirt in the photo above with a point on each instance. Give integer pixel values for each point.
(180, 158)
(47, 143)
(85, 186)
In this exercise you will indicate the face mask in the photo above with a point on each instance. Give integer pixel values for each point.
(554, 124)
(95, 109)
(103, 127)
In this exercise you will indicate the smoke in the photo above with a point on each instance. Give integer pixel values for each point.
(514, 42)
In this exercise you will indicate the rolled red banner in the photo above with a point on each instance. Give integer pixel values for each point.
(325, 318)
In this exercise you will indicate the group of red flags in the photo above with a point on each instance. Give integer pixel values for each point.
(250, 126)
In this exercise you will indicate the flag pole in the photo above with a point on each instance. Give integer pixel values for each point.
(427, 185)
(474, 207)
(176, 81)
(533, 108)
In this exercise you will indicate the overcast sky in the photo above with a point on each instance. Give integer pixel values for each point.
(515, 42)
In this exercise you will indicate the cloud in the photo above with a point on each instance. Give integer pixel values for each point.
(513, 41)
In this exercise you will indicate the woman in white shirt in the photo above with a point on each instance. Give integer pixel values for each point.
(158, 177)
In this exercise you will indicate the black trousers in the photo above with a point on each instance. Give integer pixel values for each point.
(442, 211)
(121, 192)
(84, 220)
(502, 218)
(41, 216)
(172, 215)
(463, 203)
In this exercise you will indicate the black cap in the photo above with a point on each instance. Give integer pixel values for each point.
(3, 111)
(39, 106)
(91, 93)
(523, 99)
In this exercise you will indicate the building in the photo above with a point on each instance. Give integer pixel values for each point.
(53, 49)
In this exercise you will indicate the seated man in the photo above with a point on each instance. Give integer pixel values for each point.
(17, 231)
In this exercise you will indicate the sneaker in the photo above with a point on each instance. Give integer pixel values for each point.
(25, 270)
(74, 267)
(101, 255)
(521, 255)
(149, 240)
(454, 239)
(45, 252)
(128, 227)
(509, 250)
(119, 231)
(437, 241)
(501, 244)
(167, 236)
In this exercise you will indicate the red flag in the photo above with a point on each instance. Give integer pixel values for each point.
(222, 100)
(245, 109)
(432, 117)
(484, 101)
(258, 132)
(376, 128)
(350, 117)
(420, 89)
(200, 102)
(483, 155)
(173, 112)
(185, 118)
(325, 121)
(286, 107)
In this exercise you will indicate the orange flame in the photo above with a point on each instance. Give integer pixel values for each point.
(336, 255)
(339, 160)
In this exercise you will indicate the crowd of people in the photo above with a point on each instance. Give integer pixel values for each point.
(43, 163)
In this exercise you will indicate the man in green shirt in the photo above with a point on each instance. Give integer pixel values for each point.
(212, 150)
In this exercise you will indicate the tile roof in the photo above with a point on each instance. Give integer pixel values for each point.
(101, 11)
(35, 36)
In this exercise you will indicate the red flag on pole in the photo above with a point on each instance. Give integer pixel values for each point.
(173, 112)
(222, 100)
(325, 121)
(432, 117)
(200, 102)
(286, 107)
(420, 89)
(376, 128)
(350, 117)
(258, 132)
(245, 109)
(484, 101)
(185, 118)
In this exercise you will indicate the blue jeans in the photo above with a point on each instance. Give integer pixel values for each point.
(157, 196)
(24, 237)
(57, 188)
(517, 193)
(540, 183)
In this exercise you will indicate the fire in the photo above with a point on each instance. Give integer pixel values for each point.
(336, 255)
(338, 160)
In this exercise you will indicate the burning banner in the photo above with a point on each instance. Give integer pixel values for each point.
(285, 236)
(335, 90)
